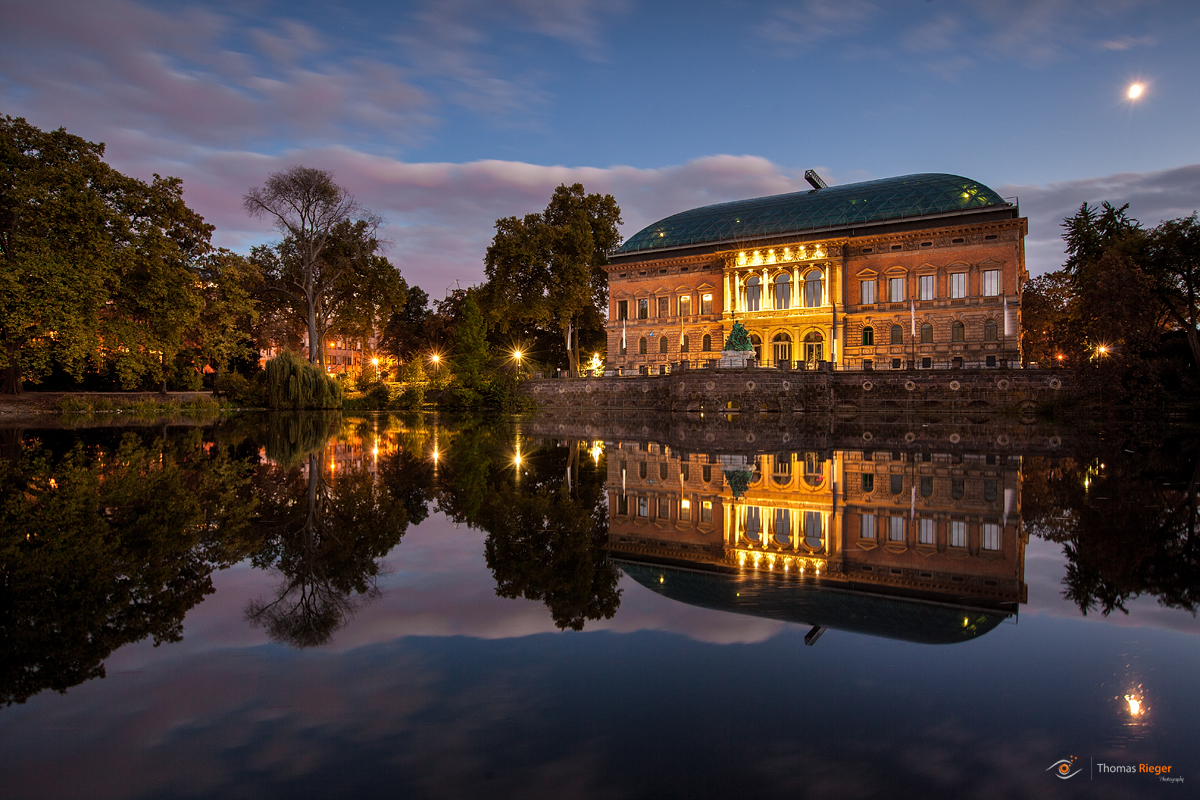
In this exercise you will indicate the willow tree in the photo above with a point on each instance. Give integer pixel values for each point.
(547, 269)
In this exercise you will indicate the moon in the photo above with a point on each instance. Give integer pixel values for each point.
(1135, 91)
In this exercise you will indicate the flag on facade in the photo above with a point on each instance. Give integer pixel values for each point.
(912, 514)
(622, 333)
(912, 308)
(1007, 329)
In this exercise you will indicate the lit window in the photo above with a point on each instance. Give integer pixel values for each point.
(958, 534)
(783, 525)
(685, 510)
(643, 506)
(926, 333)
(812, 289)
(895, 529)
(896, 290)
(783, 291)
(753, 294)
(926, 531)
(866, 526)
(991, 282)
(643, 308)
(664, 306)
(991, 536)
(989, 331)
(706, 304)
(685, 305)
(866, 292)
(958, 332)
(868, 336)
(926, 287)
(813, 524)
(706, 511)
(958, 285)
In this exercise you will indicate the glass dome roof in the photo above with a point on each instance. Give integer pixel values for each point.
(816, 209)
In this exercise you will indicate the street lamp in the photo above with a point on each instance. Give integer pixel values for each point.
(517, 356)
(436, 359)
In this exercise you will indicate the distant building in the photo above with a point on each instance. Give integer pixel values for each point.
(921, 271)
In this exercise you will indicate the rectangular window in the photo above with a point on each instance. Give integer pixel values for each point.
(706, 511)
(685, 471)
(623, 505)
(895, 290)
(897, 484)
(643, 506)
(685, 305)
(622, 309)
(643, 308)
(706, 304)
(664, 306)
(866, 526)
(926, 531)
(685, 510)
(868, 482)
(664, 508)
(706, 473)
(895, 529)
(958, 285)
(927, 287)
(991, 283)
(991, 536)
(958, 534)
(866, 292)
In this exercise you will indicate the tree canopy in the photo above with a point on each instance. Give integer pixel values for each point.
(547, 269)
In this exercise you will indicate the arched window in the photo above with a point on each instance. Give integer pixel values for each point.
(706, 343)
(814, 348)
(753, 293)
(989, 330)
(781, 346)
(926, 333)
(958, 488)
(812, 529)
(683, 344)
(756, 341)
(641, 469)
(662, 344)
(958, 332)
(897, 334)
(868, 338)
(783, 525)
(642, 346)
(812, 289)
(783, 291)
(753, 523)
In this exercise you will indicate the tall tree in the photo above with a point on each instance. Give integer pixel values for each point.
(327, 265)
(548, 269)
(96, 265)
(1173, 260)
(407, 330)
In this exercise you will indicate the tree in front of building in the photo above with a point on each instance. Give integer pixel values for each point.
(327, 272)
(547, 269)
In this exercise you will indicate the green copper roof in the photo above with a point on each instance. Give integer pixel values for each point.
(817, 209)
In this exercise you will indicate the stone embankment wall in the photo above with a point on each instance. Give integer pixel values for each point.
(766, 391)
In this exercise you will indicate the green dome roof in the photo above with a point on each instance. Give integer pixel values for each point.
(816, 209)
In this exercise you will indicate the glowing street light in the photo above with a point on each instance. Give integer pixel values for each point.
(435, 359)
(375, 362)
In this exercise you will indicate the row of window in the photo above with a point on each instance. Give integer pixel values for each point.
(927, 287)
(958, 487)
(660, 508)
(896, 530)
(779, 522)
(812, 296)
(685, 471)
(664, 343)
(662, 306)
(958, 333)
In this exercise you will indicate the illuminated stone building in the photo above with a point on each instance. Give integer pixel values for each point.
(919, 271)
(918, 526)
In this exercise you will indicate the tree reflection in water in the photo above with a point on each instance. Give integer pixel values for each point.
(325, 523)
(1126, 514)
(107, 543)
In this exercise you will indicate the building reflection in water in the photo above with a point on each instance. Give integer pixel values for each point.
(920, 546)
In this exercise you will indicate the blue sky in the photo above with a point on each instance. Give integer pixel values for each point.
(444, 116)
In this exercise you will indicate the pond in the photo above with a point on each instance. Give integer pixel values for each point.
(424, 606)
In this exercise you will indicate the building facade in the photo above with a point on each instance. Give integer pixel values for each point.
(920, 271)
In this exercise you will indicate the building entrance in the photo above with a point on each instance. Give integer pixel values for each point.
(814, 349)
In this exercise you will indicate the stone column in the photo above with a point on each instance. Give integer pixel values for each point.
(768, 301)
(725, 298)
(796, 286)
(738, 303)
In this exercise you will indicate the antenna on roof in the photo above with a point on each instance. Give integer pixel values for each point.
(813, 178)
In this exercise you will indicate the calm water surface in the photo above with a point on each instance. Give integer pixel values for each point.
(423, 607)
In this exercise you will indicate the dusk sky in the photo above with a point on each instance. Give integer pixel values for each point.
(443, 116)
